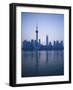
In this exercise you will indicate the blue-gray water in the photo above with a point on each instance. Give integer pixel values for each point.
(42, 63)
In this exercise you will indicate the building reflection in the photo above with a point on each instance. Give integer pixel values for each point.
(46, 57)
(37, 61)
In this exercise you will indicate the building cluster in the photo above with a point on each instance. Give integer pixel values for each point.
(36, 44)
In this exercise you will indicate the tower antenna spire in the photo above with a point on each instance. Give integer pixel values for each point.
(36, 26)
(37, 32)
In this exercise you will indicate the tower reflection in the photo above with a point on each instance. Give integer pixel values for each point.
(46, 57)
(37, 62)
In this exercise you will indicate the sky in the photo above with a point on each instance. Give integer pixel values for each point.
(48, 24)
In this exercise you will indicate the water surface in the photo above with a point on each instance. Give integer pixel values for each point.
(42, 63)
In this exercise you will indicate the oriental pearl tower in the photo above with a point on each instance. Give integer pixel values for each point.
(37, 33)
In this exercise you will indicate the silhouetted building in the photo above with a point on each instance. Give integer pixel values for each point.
(39, 41)
(61, 45)
(54, 43)
(47, 40)
(50, 46)
(37, 33)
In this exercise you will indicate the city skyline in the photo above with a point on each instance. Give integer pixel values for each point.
(51, 25)
(37, 45)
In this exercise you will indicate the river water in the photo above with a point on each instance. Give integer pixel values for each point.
(42, 63)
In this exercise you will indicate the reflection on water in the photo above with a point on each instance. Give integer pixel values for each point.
(42, 63)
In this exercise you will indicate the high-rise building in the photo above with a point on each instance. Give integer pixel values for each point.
(37, 33)
(39, 41)
(46, 40)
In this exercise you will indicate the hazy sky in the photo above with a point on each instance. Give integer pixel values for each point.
(48, 24)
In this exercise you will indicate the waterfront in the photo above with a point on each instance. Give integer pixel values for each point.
(42, 63)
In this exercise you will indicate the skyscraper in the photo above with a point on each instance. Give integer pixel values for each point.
(39, 41)
(46, 40)
(37, 33)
